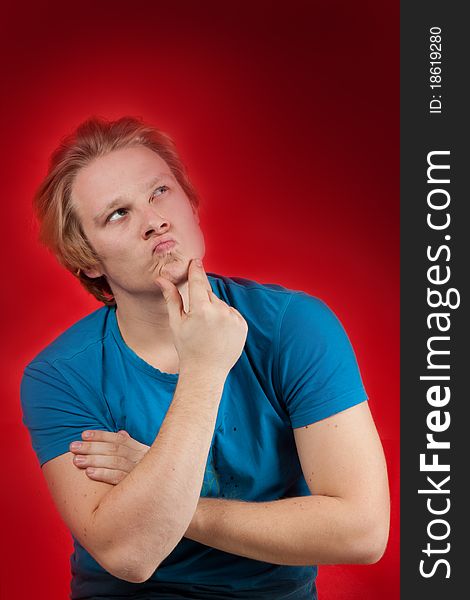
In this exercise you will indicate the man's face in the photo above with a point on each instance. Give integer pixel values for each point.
(152, 207)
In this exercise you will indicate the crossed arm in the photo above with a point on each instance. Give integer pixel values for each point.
(345, 520)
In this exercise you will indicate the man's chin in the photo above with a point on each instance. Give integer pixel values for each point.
(175, 271)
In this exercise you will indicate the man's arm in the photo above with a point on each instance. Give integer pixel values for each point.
(132, 527)
(346, 520)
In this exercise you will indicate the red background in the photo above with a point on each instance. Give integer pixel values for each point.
(287, 118)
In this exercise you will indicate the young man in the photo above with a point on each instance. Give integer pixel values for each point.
(233, 446)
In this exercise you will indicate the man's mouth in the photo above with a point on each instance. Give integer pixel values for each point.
(164, 246)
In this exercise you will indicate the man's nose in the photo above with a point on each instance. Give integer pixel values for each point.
(153, 222)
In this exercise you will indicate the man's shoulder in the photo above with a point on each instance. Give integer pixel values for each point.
(258, 292)
(82, 335)
(264, 301)
(243, 285)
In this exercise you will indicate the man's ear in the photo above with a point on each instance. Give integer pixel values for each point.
(92, 273)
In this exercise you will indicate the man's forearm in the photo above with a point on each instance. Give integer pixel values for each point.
(304, 530)
(140, 520)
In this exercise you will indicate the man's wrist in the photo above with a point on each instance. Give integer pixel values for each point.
(204, 373)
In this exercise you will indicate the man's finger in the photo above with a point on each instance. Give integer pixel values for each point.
(110, 476)
(105, 461)
(172, 297)
(104, 448)
(198, 284)
(100, 435)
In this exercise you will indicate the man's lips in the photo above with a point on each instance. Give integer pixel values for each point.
(163, 245)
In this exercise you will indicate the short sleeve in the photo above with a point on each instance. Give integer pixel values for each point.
(317, 370)
(53, 412)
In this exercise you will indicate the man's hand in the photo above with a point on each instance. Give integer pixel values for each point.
(111, 457)
(108, 456)
(211, 334)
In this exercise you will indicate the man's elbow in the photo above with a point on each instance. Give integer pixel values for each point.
(373, 545)
(134, 563)
(145, 574)
(133, 574)
(128, 567)
(138, 577)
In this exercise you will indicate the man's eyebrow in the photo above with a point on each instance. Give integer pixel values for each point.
(120, 199)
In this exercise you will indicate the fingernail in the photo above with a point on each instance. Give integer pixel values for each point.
(88, 434)
(90, 470)
(199, 262)
(76, 445)
(80, 459)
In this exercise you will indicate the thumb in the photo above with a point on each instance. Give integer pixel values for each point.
(172, 297)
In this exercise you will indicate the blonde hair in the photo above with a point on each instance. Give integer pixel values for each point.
(59, 227)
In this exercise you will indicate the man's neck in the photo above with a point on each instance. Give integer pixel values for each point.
(144, 325)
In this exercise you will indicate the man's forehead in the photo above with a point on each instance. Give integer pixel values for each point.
(104, 201)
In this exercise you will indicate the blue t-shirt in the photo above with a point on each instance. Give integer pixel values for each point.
(297, 367)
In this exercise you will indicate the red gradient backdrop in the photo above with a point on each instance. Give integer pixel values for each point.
(287, 118)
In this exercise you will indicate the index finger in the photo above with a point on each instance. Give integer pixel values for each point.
(198, 284)
(99, 435)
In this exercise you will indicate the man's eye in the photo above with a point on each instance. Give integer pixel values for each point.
(154, 193)
(109, 219)
(160, 187)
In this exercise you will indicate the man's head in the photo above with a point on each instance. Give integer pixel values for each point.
(109, 245)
